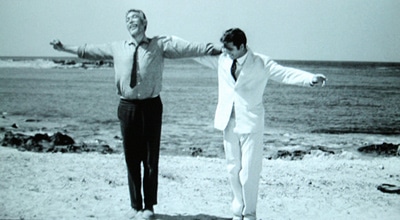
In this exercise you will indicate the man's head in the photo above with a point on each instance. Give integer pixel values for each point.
(136, 22)
(235, 42)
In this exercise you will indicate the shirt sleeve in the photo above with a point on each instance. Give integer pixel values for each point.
(175, 47)
(95, 51)
(208, 61)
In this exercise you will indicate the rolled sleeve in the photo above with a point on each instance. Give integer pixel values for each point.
(95, 52)
(175, 47)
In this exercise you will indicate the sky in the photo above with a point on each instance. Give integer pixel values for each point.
(329, 30)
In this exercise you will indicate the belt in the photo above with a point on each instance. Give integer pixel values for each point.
(136, 101)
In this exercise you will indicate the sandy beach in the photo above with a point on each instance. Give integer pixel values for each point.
(94, 185)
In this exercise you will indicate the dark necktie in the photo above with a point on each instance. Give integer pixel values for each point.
(134, 67)
(233, 69)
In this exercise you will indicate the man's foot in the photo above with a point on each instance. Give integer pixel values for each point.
(148, 214)
(249, 217)
(132, 213)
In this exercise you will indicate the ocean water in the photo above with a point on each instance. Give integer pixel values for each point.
(359, 104)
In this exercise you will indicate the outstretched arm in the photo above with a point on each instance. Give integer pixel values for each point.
(175, 47)
(293, 76)
(57, 45)
(93, 52)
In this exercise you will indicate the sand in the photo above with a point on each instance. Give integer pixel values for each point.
(94, 186)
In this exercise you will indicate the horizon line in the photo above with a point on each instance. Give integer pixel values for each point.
(299, 61)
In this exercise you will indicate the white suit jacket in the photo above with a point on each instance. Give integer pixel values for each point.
(246, 94)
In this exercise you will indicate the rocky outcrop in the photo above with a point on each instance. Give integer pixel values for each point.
(58, 142)
(78, 63)
(385, 149)
(299, 153)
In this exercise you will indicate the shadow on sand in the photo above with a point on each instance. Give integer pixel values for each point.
(189, 217)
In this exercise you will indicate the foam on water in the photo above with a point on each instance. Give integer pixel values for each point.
(36, 63)
(49, 63)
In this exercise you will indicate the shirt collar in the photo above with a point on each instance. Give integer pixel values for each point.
(241, 59)
(133, 41)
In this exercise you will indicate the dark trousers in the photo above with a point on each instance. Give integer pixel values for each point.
(141, 131)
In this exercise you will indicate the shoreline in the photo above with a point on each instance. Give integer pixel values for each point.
(188, 144)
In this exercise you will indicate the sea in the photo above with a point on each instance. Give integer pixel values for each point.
(359, 105)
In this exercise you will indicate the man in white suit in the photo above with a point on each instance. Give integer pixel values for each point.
(242, 78)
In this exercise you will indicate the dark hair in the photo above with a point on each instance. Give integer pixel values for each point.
(144, 19)
(236, 36)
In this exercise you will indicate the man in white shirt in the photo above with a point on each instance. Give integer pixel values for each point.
(242, 78)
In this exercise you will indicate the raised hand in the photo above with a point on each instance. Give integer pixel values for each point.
(57, 45)
(318, 79)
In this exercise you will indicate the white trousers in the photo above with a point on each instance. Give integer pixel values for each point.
(244, 153)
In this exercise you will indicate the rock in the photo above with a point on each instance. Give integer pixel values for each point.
(385, 149)
(56, 143)
(196, 151)
(389, 188)
(298, 154)
(69, 62)
(292, 155)
(32, 120)
(105, 149)
(11, 139)
(61, 139)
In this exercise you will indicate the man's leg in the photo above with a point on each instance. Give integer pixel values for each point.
(152, 127)
(131, 130)
(252, 154)
(233, 160)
